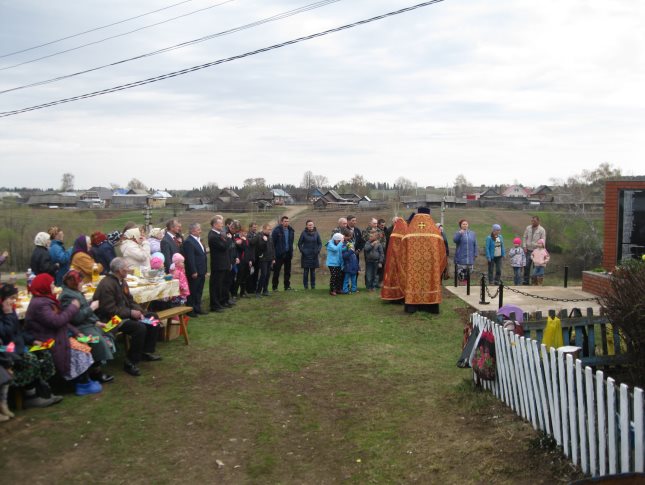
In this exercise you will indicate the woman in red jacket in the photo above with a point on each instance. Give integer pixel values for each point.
(46, 320)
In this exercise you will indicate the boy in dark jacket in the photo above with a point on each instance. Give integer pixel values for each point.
(350, 264)
(374, 257)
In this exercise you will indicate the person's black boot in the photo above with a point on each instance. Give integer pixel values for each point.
(131, 369)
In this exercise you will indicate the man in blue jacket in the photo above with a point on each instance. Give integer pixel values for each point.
(283, 236)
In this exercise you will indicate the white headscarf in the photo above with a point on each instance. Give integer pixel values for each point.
(134, 233)
(42, 239)
(338, 237)
(156, 232)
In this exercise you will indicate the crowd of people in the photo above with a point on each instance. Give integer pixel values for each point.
(244, 261)
(528, 257)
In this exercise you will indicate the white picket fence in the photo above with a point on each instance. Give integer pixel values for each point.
(597, 422)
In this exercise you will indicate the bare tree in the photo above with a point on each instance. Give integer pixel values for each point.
(307, 182)
(258, 183)
(135, 184)
(320, 181)
(67, 182)
(461, 184)
(405, 186)
(210, 191)
(358, 184)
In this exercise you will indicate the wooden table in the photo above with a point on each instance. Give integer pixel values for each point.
(142, 294)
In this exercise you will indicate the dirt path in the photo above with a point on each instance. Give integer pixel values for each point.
(292, 212)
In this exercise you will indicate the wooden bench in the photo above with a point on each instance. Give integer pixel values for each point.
(166, 317)
(592, 333)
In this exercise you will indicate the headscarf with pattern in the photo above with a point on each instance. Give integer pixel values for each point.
(72, 279)
(41, 285)
(97, 238)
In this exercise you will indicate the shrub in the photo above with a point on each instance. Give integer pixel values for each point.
(625, 308)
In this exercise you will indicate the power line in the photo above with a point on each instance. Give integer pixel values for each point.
(162, 77)
(71, 49)
(273, 18)
(93, 30)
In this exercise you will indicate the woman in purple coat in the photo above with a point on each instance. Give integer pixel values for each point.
(46, 320)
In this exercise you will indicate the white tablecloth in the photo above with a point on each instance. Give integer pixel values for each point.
(141, 294)
(147, 293)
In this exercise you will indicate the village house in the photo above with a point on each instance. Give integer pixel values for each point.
(431, 200)
(53, 200)
(333, 200)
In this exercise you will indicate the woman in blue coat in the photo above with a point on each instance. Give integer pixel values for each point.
(465, 250)
(59, 255)
(309, 246)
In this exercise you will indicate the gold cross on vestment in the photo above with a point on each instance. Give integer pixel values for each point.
(422, 225)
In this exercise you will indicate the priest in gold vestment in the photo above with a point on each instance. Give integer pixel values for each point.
(393, 279)
(423, 260)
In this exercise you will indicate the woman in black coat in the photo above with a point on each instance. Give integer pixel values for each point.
(309, 246)
(41, 261)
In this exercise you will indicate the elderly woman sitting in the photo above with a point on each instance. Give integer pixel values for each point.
(45, 319)
(102, 250)
(31, 370)
(82, 260)
(41, 261)
(88, 323)
(135, 248)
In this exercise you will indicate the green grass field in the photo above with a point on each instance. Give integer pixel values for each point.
(298, 387)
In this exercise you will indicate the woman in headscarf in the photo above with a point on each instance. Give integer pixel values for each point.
(102, 250)
(58, 253)
(41, 261)
(45, 319)
(31, 370)
(88, 323)
(156, 235)
(135, 248)
(82, 260)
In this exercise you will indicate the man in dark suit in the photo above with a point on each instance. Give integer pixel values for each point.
(282, 237)
(359, 242)
(171, 242)
(196, 267)
(220, 264)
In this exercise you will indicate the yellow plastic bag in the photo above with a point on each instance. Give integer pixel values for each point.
(610, 340)
(553, 333)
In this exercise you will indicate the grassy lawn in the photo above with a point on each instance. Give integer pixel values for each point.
(297, 387)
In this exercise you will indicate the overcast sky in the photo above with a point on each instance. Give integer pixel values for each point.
(500, 91)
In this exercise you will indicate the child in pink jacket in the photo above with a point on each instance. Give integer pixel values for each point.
(178, 272)
(540, 257)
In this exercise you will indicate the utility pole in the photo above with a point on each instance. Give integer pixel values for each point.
(147, 217)
(443, 209)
